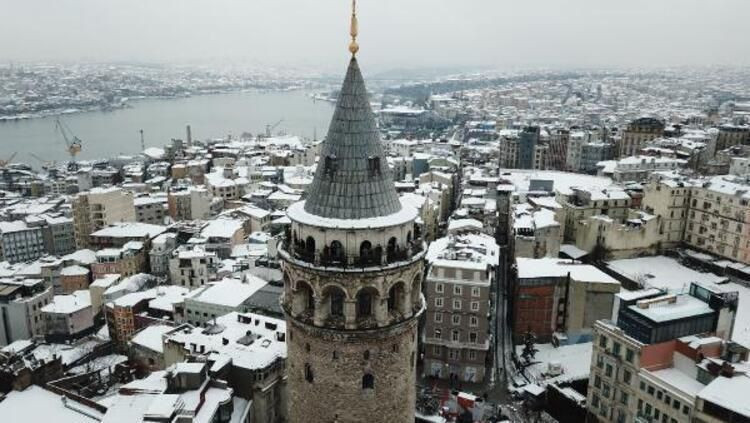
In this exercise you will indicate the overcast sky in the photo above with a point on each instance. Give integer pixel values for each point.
(394, 33)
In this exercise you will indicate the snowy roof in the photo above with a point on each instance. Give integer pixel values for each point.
(676, 378)
(222, 228)
(665, 311)
(661, 272)
(74, 270)
(557, 268)
(254, 341)
(468, 251)
(574, 359)
(230, 292)
(130, 230)
(458, 224)
(69, 304)
(151, 337)
(36, 404)
(730, 393)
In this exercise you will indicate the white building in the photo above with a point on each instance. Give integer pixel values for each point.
(68, 316)
(192, 268)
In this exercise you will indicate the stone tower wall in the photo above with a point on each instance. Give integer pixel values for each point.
(338, 362)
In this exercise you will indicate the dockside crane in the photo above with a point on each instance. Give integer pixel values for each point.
(72, 142)
(5, 162)
(270, 128)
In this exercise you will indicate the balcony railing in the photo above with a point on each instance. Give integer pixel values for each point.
(374, 258)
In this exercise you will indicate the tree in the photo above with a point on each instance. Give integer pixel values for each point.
(529, 351)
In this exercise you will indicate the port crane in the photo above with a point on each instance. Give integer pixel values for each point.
(5, 162)
(270, 128)
(46, 164)
(72, 142)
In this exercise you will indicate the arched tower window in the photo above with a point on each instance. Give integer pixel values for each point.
(408, 237)
(310, 245)
(336, 297)
(373, 165)
(368, 381)
(395, 297)
(391, 249)
(365, 251)
(337, 251)
(364, 303)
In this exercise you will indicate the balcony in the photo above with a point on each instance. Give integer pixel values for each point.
(375, 257)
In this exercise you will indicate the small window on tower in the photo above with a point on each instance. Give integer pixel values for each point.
(373, 165)
(330, 165)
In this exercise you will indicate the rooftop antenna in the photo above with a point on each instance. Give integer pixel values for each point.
(354, 30)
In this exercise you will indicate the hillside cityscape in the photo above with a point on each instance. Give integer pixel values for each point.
(479, 246)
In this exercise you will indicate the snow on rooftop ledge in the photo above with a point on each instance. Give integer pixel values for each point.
(297, 213)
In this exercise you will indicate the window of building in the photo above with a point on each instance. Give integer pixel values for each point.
(475, 306)
(438, 302)
(455, 336)
(472, 355)
(597, 382)
(624, 397)
(650, 390)
(629, 355)
(438, 334)
(605, 390)
(457, 304)
(436, 350)
(595, 401)
(438, 317)
(473, 337)
(456, 319)
(457, 290)
(473, 321)
(626, 376)
(658, 394)
(608, 370)
(603, 341)
(616, 348)
(676, 404)
(453, 354)
(439, 288)
(475, 291)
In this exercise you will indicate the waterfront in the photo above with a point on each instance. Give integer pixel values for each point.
(105, 134)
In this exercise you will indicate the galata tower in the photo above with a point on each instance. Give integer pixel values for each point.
(353, 266)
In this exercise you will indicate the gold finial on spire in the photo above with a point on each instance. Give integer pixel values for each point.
(354, 29)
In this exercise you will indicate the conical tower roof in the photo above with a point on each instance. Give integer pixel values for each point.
(352, 180)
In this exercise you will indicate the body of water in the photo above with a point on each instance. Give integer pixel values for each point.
(106, 134)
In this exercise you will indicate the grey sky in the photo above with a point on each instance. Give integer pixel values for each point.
(394, 33)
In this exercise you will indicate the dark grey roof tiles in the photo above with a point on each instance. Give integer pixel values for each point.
(352, 180)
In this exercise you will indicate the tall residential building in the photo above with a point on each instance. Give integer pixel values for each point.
(637, 134)
(558, 149)
(190, 204)
(731, 135)
(527, 146)
(660, 354)
(21, 242)
(559, 299)
(21, 302)
(353, 264)
(709, 214)
(456, 331)
(98, 208)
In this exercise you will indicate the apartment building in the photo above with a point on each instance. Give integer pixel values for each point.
(457, 292)
(647, 360)
(637, 134)
(21, 302)
(190, 204)
(557, 299)
(99, 208)
(192, 267)
(709, 214)
(21, 242)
